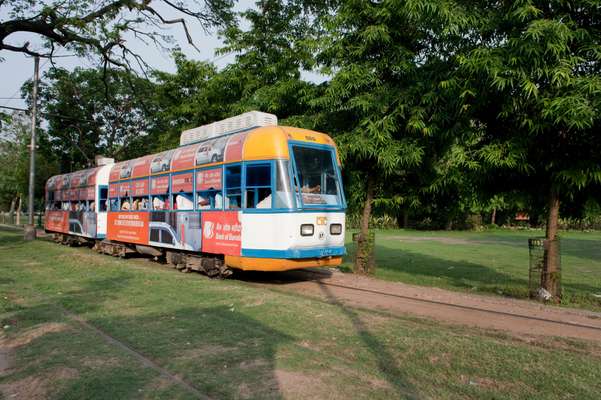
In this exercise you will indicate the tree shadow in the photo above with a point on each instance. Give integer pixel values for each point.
(386, 362)
(463, 274)
(219, 352)
(11, 237)
(422, 269)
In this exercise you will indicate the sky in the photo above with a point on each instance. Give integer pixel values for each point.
(18, 68)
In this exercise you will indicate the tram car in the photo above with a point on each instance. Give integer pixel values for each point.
(242, 193)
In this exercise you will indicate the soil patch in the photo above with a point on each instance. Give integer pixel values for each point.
(516, 317)
(31, 334)
(36, 387)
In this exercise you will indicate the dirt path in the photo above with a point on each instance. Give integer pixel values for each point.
(518, 317)
(6, 360)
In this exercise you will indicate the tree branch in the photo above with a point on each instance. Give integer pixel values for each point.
(174, 21)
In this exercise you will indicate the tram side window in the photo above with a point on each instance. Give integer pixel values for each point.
(160, 202)
(233, 186)
(182, 201)
(283, 192)
(114, 202)
(140, 203)
(258, 186)
(209, 199)
(103, 199)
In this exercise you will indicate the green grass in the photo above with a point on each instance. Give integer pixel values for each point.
(494, 261)
(233, 340)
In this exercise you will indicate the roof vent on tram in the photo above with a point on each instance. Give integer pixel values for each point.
(248, 120)
(102, 160)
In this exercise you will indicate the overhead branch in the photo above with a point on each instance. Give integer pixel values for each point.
(174, 21)
(65, 23)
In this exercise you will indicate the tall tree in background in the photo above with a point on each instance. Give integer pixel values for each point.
(537, 89)
(192, 96)
(384, 102)
(15, 134)
(270, 56)
(90, 113)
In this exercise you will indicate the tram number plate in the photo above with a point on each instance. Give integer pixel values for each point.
(326, 252)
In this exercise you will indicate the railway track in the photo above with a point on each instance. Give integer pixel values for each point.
(514, 316)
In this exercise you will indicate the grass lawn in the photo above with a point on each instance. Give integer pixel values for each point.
(232, 340)
(494, 261)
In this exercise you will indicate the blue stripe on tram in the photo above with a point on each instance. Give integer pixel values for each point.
(295, 253)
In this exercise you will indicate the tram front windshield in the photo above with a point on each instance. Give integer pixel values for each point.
(317, 177)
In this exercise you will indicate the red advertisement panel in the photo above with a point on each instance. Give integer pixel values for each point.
(181, 183)
(113, 190)
(233, 150)
(115, 171)
(159, 185)
(75, 180)
(124, 189)
(57, 221)
(183, 158)
(87, 193)
(90, 193)
(51, 184)
(208, 179)
(141, 166)
(139, 188)
(221, 232)
(131, 227)
(91, 181)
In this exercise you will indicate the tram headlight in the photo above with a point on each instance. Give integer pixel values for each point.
(335, 229)
(307, 229)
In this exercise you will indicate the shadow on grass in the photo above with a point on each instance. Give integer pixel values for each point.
(221, 353)
(421, 269)
(462, 274)
(11, 237)
(387, 364)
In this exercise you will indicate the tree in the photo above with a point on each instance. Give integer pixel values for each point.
(101, 27)
(88, 114)
(384, 102)
(192, 96)
(536, 85)
(14, 152)
(270, 56)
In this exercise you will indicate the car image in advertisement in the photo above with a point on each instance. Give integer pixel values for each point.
(161, 162)
(211, 151)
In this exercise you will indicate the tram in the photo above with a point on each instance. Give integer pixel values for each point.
(242, 193)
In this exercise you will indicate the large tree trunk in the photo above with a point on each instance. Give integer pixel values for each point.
(493, 217)
(364, 259)
(405, 218)
(551, 279)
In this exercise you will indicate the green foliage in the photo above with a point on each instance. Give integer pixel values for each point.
(541, 62)
(91, 112)
(14, 168)
(454, 107)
